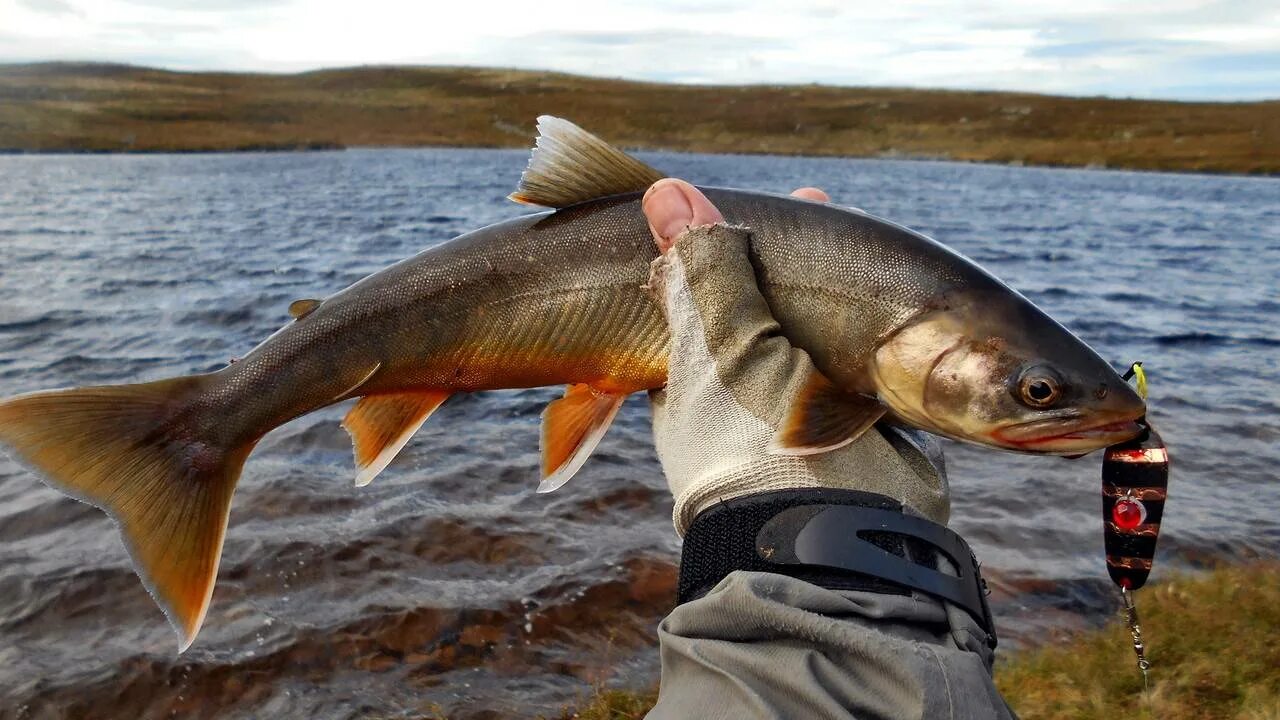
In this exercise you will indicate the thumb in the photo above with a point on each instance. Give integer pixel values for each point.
(673, 206)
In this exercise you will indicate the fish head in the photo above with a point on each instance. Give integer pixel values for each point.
(997, 371)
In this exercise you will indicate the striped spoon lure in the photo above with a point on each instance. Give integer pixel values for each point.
(1135, 482)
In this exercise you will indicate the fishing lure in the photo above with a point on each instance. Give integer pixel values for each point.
(1135, 483)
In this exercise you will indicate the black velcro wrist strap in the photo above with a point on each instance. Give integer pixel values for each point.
(838, 539)
(722, 539)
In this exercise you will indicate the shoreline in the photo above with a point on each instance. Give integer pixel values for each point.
(90, 109)
(324, 147)
(285, 148)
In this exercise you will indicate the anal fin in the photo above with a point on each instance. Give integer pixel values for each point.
(380, 425)
(571, 428)
(822, 417)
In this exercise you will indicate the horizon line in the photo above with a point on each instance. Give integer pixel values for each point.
(6, 64)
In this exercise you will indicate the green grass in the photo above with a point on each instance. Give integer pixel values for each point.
(1213, 640)
(111, 108)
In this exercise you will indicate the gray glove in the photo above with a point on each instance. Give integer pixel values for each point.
(733, 375)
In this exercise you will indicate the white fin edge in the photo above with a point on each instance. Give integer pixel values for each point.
(367, 473)
(777, 448)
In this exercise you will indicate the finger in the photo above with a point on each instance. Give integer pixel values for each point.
(811, 193)
(672, 206)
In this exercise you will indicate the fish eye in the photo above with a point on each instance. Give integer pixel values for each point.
(1039, 387)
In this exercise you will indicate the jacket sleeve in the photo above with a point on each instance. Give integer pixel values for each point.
(761, 645)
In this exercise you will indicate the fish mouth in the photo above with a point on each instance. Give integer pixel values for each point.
(1066, 436)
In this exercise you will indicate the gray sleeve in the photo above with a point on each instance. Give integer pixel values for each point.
(761, 645)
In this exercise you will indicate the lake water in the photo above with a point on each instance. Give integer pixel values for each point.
(449, 586)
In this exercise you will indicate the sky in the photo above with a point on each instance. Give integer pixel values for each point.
(1181, 49)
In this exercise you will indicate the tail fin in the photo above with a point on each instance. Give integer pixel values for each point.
(124, 449)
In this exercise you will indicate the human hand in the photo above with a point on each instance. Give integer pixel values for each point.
(733, 376)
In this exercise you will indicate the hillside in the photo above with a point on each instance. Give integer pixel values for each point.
(64, 107)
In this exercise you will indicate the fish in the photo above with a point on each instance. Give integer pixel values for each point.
(902, 329)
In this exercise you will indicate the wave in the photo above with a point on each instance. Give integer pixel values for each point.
(1132, 298)
(1208, 338)
(230, 317)
(991, 255)
(46, 322)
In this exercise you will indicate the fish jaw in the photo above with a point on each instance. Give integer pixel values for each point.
(1057, 436)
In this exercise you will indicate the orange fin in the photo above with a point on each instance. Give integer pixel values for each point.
(380, 425)
(126, 450)
(823, 417)
(571, 428)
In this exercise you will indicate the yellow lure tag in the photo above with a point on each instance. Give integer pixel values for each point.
(1141, 377)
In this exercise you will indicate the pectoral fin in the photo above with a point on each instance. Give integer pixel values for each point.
(571, 428)
(823, 417)
(380, 425)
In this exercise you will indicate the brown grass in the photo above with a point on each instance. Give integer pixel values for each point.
(1213, 646)
(111, 108)
(1212, 640)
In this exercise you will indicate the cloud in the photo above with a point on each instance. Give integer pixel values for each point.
(666, 54)
(1246, 75)
(207, 6)
(1147, 48)
(50, 7)
(1101, 48)
(643, 41)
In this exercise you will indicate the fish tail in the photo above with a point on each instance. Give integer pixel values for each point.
(136, 452)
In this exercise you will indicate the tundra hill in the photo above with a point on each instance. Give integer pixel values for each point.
(66, 107)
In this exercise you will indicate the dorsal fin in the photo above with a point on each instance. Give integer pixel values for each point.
(299, 309)
(570, 165)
